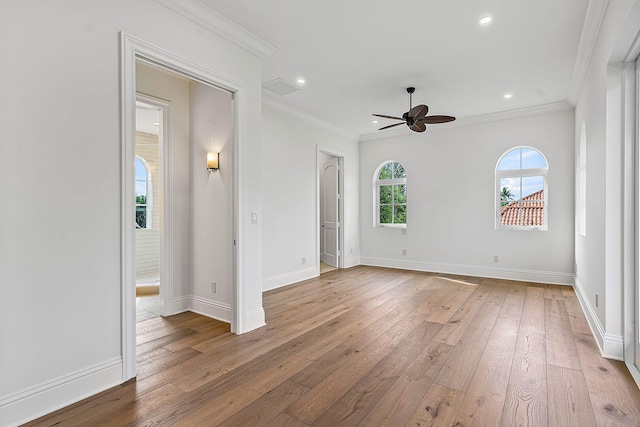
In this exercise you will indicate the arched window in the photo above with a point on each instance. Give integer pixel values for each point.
(390, 195)
(143, 194)
(521, 190)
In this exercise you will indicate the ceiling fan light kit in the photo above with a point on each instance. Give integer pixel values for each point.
(416, 118)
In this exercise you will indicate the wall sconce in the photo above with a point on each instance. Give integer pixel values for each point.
(212, 161)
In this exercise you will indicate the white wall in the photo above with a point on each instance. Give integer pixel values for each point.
(290, 196)
(451, 201)
(598, 253)
(212, 201)
(60, 157)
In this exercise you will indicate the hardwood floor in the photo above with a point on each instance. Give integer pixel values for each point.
(376, 347)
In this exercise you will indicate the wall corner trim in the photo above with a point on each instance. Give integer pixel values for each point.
(220, 25)
(596, 10)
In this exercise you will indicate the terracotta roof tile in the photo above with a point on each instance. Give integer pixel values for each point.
(527, 211)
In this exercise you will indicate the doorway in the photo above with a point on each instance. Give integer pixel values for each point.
(330, 210)
(148, 205)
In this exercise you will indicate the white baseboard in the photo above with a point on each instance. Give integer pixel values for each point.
(211, 308)
(27, 405)
(611, 346)
(556, 278)
(206, 307)
(255, 319)
(285, 279)
(351, 262)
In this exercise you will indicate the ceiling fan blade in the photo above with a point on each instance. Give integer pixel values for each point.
(436, 119)
(418, 127)
(390, 126)
(419, 111)
(388, 117)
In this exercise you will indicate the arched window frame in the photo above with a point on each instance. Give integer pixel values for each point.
(521, 173)
(377, 184)
(149, 194)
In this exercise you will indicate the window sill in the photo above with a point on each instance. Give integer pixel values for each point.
(392, 225)
(521, 228)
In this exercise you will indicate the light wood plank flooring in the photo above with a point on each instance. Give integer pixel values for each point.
(376, 347)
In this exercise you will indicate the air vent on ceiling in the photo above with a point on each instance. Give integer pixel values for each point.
(279, 86)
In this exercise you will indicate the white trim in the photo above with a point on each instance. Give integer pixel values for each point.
(210, 308)
(34, 402)
(594, 17)
(275, 105)
(165, 181)
(538, 276)
(554, 107)
(285, 279)
(204, 306)
(255, 319)
(611, 346)
(351, 262)
(209, 19)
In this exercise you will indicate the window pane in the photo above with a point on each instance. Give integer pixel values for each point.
(386, 216)
(510, 214)
(141, 217)
(532, 212)
(141, 200)
(400, 214)
(386, 172)
(532, 186)
(141, 188)
(511, 160)
(399, 171)
(141, 171)
(531, 159)
(509, 189)
(400, 194)
(385, 194)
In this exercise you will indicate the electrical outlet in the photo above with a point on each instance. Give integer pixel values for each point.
(597, 300)
(304, 260)
(403, 231)
(496, 258)
(404, 252)
(350, 251)
(214, 287)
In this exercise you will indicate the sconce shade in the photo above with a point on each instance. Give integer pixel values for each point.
(212, 161)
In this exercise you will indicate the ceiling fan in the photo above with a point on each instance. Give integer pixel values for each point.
(416, 118)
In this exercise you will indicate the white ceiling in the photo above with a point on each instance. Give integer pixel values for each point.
(359, 56)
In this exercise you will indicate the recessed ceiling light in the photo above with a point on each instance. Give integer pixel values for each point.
(485, 20)
(300, 81)
(374, 121)
(508, 95)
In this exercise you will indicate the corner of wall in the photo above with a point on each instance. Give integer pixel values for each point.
(611, 346)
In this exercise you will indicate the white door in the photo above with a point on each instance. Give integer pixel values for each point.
(329, 216)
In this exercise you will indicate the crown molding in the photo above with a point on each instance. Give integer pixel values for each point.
(553, 107)
(209, 19)
(596, 11)
(276, 105)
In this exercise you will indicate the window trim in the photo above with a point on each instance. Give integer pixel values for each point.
(522, 173)
(377, 183)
